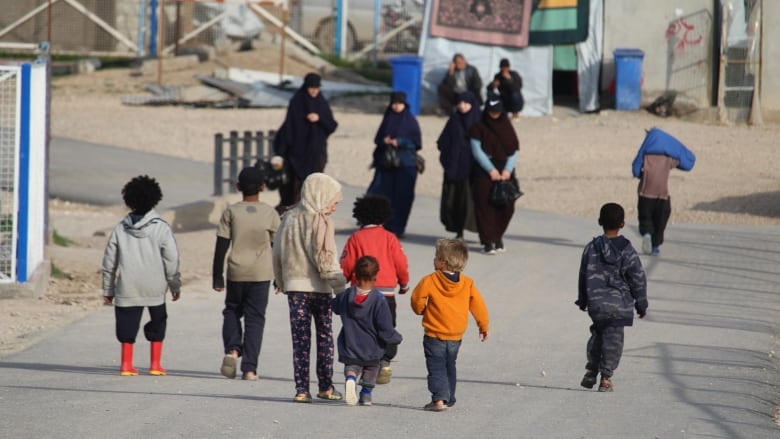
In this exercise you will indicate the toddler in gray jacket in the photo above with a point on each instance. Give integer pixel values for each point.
(140, 263)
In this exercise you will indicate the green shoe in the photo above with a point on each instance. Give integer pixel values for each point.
(384, 375)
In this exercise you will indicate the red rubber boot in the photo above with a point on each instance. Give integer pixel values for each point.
(156, 353)
(127, 369)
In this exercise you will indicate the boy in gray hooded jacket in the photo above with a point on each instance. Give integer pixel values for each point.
(611, 285)
(140, 263)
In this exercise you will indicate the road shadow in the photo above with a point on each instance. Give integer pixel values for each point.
(762, 204)
(727, 370)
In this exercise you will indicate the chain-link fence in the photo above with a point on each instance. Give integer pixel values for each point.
(9, 85)
(741, 59)
(136, 27)
(395, 27)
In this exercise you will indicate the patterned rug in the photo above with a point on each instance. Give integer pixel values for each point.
(492, 22)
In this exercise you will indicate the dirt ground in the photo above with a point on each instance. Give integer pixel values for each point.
(569, 164)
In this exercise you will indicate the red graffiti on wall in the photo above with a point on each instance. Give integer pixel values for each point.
(680, 30)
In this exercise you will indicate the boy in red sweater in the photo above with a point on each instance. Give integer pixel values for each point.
(371, 211)
(444, 298)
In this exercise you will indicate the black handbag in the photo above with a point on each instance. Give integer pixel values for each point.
(391, 159)
(419, 162)
(504, 192)
(274, 179)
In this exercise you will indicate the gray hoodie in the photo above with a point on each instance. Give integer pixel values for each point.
(140, 262)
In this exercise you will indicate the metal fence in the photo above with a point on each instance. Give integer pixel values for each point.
(9, 133)
(141, 28)
(740, 62)
(245, 150)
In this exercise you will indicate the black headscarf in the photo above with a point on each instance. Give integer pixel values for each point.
(455, 156)
(402, 124)
(498, 137)
(304, 144)
(397, 125)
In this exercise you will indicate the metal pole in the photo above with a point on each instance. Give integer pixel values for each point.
(48, 25)
(247, 156)
(269, 151)
(153, 29)
(377, 17)
(141, 28)
(161, 43)
(337, 28)
(282, 56)
(260, 136)
(233, 164)
(219, 140)
(177, 29)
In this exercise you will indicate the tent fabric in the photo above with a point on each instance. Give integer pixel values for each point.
(589, 53)
(560, 22)
(533, 63)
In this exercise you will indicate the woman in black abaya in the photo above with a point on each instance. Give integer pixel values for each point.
(399, 130)
(457, 208)
(494, 146)
(302, 141)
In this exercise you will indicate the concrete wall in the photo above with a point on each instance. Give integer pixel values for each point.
(770, 58)
(676, 37)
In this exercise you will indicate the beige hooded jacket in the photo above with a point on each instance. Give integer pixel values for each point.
(305, 257)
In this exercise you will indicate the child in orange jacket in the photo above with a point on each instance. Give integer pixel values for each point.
(444, 298)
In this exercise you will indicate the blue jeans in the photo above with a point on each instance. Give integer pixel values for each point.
(440, 357)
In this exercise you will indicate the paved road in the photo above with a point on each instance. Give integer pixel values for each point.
(699, 366)
(95, 174)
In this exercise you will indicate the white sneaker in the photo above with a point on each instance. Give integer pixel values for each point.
(647, 244)
(350, 392)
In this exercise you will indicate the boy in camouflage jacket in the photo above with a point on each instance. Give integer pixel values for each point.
(612, 285)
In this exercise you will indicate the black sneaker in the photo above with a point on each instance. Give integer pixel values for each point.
(500, 247)
(489, 249)
(589, 380)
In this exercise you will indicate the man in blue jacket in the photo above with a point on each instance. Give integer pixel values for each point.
(658, 155)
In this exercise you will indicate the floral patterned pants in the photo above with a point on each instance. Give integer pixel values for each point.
(304, 306)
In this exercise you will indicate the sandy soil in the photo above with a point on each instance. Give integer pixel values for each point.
(569, 164)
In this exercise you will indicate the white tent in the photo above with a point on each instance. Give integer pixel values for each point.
(534, 63)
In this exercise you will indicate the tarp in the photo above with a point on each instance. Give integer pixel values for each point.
(589, 54)
(533, 63)
(559, 22)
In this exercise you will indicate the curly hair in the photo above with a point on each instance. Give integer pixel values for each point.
(141, 194)
(372, 209)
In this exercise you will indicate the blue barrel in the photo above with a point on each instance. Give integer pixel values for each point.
(407, 77)
(628, 79)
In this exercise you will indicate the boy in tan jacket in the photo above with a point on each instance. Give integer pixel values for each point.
(444, 298)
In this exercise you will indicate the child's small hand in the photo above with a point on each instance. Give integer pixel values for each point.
(219, 289)
(107, 300)
(176, 295)
(642, 315)
(483, 336)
